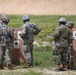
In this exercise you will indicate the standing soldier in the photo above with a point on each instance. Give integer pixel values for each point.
(70, 25)
(61, 37)
(29, 30)
(6, 36)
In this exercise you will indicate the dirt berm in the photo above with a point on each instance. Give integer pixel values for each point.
(38, 7)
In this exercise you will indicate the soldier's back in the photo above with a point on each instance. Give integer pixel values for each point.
(62, 39)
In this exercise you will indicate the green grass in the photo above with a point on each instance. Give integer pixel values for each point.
(20, 73)
(33, 73)
(42, 55)
(47, 23)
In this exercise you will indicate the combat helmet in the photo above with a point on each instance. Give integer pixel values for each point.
(25, 17)
(5, 18)
(62, 20)
(70, 24)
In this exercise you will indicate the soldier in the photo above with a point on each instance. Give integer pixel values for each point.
(29, 30)
(70, 25)
(6, 36)
(61, 36)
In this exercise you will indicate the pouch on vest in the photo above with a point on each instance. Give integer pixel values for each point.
(4, 35)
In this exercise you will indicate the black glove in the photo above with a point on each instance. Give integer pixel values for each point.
(22, 35)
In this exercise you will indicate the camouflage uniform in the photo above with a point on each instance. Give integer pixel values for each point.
(61, 35)
(70, 25)
(6, 50)
(28, 31)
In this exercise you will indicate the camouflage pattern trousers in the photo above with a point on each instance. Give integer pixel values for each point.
(28, 51)
(5, 54)
(63, 52)
(71, 57)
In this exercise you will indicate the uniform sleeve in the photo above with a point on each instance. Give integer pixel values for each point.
(11, 33)
(70, 42)
(23, 29)
(36, 29)
(70, 37)
(56, 33)
(23, 32)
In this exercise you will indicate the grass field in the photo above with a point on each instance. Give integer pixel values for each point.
(42, 54)
(47, 23)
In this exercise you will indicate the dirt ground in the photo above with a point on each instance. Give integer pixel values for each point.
(38, 7)
(44, 71)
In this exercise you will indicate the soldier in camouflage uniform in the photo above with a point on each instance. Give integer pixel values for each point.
(61, 36)
(29, 30)
(70, 25)
(6, 36)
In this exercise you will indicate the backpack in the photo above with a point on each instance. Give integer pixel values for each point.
(4, 35)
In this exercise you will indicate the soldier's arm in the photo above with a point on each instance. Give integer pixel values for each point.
(23, 29)
(23, 32)
(70, 39)
(56, 33)
(36, 29)
(11, 33)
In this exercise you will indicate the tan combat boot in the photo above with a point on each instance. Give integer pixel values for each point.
(1, 66)
(59, 68)
(9, 66)
(65, 68)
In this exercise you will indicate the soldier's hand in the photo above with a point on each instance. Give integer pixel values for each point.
(20, 34)
(14, 38)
